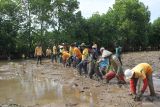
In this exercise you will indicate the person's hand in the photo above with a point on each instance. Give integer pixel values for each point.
(134, 96)
(138, 96)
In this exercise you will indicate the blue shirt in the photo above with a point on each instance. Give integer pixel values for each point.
(104, 62)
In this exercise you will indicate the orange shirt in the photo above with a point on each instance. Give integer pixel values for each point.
(77, 53)
(142, 70)
(65, 55)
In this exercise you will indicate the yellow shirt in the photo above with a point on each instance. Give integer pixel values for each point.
(38, 51)
(71, 50)
(77, 53)
(54, 50)
(85, 54)
(142, 70)
(48, 52)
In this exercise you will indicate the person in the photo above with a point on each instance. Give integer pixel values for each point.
(84, 61)
(102, 63)
(118, 53)
(48, 52)
(93, 58)
(144, 72)
(38, 53)
(71, 50)
(115, 70)
(54, 54)
(61, 48)
(65, 57)
(77, 55)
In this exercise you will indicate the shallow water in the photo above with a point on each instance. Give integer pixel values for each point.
(40, 93)
(29, 89)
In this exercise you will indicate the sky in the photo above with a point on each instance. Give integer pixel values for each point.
(88, 7)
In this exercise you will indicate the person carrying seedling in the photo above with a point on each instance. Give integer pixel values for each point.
(115, 70)
(141, 71)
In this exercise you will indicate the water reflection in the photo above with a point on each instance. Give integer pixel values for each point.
(39, 92)
(29, 87)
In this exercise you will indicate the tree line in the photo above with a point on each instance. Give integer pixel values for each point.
(26, 23)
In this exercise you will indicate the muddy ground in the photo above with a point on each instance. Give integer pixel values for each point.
(24, 84)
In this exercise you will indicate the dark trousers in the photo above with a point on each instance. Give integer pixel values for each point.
(54, 57)
(82, 65)
(92, 69)
(39, 59)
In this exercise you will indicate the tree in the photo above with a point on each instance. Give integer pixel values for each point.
(154, 38)
(9, 26)
(63, 17)
(132, 21)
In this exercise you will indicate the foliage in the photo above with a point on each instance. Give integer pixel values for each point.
(26, 23)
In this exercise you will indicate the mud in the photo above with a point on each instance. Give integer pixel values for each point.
(24, 84)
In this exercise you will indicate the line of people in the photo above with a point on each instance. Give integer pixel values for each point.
(101, 64)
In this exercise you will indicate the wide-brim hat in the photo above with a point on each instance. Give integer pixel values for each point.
(94, 46)
(83, 45)
(106, 53)
(60, 46)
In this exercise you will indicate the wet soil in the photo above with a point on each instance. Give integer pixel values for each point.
(24, 84)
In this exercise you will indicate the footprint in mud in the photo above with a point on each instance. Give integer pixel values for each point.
(71, 104)
(10, 105)
(82, 91)
(86, 87)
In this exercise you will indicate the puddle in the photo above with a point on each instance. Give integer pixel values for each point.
(44, 92)
(30, 89)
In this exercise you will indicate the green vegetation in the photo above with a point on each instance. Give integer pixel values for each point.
(25, 23)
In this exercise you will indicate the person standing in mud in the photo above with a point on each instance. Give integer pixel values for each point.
(77, 55)
(119, 52)
(84, 61)
(38, 53)
(71, 51)
(65, 57)
(48, 52)
(142, 71)
(54, 54)
(93, 58)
